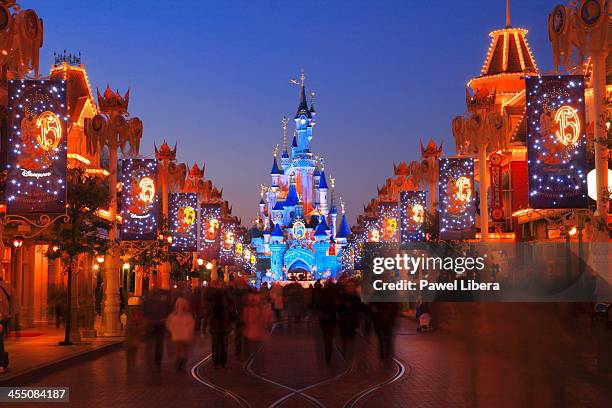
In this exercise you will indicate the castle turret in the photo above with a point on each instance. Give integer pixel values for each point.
(323, 193)
(276, 174)
(333, 212)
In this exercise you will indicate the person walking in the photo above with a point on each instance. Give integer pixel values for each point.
(181, 326)
(5, 315)
(157, 307)
(257, 317)
(327, 318)
(278, 304)
(219, 324)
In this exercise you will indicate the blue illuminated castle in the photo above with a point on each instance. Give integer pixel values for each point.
(296, 234)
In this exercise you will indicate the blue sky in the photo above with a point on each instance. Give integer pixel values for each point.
(214, 76)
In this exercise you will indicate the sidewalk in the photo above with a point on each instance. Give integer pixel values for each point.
(37, 348)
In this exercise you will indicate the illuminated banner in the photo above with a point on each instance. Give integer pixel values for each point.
(37, 147)
(556, 142)
(183, 221)
(228, 242)
(139, 200)
(456, 198)
(495, 170)
(412, 216)
(388, 217)
(210, 230)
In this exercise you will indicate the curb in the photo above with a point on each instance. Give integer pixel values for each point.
(29, 375)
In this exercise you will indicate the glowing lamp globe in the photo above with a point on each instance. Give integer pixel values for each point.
(17, 242)
(209, 266)
(200, 261)
(126, 266)
(100, 259)
(592, 183)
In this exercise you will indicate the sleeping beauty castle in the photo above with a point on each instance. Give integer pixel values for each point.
(297, 234)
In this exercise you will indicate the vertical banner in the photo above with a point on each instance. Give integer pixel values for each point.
(556, 142)
(139, 200)
(210, 231)
(495, 186)
(456, 198)
(228, 241)
(372, 229)
(389, 219)
(183, 221)
(412, 216)
(37, 147)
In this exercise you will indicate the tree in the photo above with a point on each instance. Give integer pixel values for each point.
(85, 233)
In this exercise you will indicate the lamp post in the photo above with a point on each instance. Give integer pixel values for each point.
(585, 27)
(113, 128)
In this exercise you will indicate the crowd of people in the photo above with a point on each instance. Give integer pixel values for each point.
(244, 316)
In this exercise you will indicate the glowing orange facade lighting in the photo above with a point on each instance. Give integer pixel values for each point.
(569, 125)
(104, 172)
(80, 158)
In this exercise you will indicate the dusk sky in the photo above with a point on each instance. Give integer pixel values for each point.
(215, 76)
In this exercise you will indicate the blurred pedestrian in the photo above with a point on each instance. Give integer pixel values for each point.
(219, 323)
(257, 317)
(59, 304)
(328, 318)
(5, 315)
(157, 306)
(181, 325)
(349, 309)
(383, 317)
(277, 297)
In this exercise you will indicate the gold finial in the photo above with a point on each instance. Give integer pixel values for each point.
(322, 161)
(302, 76)
(284, 123)
(312, 97)
(341, 205)
(262, 190)
(332, 181)
(275, 152)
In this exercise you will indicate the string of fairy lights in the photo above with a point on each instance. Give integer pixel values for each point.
(37, 153)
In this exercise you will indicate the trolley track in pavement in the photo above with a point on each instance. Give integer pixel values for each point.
(295, 392)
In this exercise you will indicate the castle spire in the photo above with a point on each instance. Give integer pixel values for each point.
(508, 14)
(303, 107)
(284, 124)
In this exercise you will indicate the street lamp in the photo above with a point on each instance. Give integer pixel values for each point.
(209, 266)
(17, 242)
(126, 266)
(100, 259)
(200, 262)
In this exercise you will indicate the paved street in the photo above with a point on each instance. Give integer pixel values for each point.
(432, 370)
